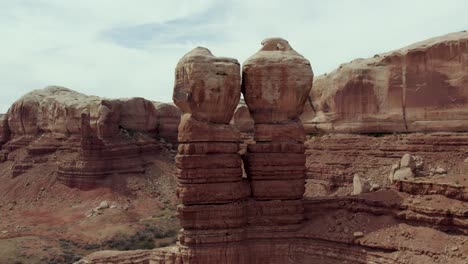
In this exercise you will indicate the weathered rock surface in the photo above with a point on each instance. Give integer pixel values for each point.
(53, 109)
(102, 136)
(360, 185)
(225, 218)
(266, 218)
(333, 159)
(276, 82)
(193, 130)
(402, 174)
(58, 110)
(168, 121)
(404, 170)
(207, 86)
(395, 231)
(418, 88)
(210, 185)
(408, 161)
(440, 170)
(98, 159)
(242, 119)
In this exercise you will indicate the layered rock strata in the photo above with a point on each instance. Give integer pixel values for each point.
(276, 82)
(210, 185)
(225, 218)
(333, 159)
(268, 220)
(418, 88)
(387, 226)
(392, 225)
(97, 158)
(111, 138)
(57, 110)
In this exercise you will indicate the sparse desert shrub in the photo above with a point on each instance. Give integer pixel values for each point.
(142, 239)
(139, 240)
(92, 246)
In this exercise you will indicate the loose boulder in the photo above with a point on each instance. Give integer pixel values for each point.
(360, 185)
(405, 169)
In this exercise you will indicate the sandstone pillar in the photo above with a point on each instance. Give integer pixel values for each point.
(210, 186)
(91, 165)
(275, 83)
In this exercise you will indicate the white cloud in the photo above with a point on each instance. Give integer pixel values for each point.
(130, 48)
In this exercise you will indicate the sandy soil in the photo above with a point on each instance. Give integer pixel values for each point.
(43, 221)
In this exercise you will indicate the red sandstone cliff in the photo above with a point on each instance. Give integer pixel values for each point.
(112, 152)
(58, 110)
(422, 87)
(101, 137)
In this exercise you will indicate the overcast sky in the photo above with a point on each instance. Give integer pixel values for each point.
(116, 48)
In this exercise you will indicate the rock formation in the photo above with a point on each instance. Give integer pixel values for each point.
(360, 185)
(277, 65)
(169, 119)
(418, 88)
(267, 217)
(276, 81)
(404, 170)
(333, 159)
(210, 185)
(101, 137)
(199, 78)
(58, 110)
(223, 215)
(385, 227)
(98, 158)
(225, 218)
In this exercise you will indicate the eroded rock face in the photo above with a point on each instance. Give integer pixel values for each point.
(58, 110)
(207, 86)
(403, 170)
(53, 109)
(418, 88)
(275, 82)
(98, 159)
(284, 227)
(139, 114)
(168, 121)
(102, 137)
(210, 185)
